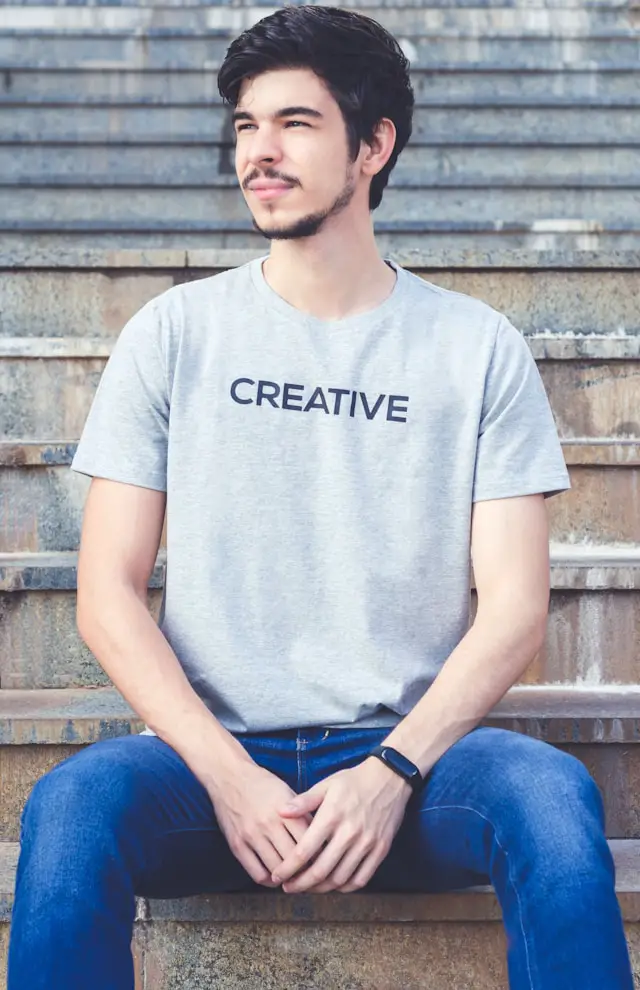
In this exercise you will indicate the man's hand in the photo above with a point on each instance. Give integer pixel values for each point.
(359, 812)
(246, 799)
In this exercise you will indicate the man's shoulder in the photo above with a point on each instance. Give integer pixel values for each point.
(453, 311)
(207, 289)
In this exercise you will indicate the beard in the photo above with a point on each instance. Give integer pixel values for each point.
(313, 222)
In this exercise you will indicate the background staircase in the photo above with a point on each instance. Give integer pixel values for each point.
(521, 185)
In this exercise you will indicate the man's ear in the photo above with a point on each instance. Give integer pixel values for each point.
(378, 153)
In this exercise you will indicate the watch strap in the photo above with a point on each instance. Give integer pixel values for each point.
(400, 764)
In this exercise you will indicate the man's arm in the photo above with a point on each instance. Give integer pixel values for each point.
(121, 533)
(510, 553)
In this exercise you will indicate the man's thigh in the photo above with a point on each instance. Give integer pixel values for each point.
(492, 786)
(138, 789)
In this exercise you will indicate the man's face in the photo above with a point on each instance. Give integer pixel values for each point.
(292, 158)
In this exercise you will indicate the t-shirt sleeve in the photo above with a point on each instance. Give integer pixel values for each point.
(518, 450)
(125, 436)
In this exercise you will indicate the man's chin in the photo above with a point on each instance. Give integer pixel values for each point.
(295, 230)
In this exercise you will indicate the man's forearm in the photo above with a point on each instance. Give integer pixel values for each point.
(136, 655)
(489, 659)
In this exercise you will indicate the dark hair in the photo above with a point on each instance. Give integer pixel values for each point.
(362, 65)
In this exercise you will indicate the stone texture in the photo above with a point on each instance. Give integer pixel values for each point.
(378, 957)
(555, 243)
(20, 768)
(362, 941)
(592, 635)
(193, 87)
(201, 51)
(70, 304)
(49, 399)
(41, 507)
(150, 209)
(442, 165)
(204, 261)
(615, 765)
(40, 646)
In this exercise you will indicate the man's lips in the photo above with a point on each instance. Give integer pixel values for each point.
(269, 190)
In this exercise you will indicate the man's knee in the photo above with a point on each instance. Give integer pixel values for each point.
(88, 790)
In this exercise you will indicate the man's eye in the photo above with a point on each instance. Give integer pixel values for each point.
(243, 127)
(302, 123)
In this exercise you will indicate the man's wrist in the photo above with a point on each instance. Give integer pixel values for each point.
(387, 775)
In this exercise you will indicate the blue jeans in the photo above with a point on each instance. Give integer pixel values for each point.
(127, 817)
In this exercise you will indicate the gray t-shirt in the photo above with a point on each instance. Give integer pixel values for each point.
(320, 476)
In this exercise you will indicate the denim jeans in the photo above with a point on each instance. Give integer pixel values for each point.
(126, 817)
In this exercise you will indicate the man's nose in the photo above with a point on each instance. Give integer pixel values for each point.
(263, 147)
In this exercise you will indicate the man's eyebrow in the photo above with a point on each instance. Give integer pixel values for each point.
(283, 112)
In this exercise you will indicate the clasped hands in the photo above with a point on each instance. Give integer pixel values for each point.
(358, 812)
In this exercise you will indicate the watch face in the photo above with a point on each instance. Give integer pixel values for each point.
(399, 761)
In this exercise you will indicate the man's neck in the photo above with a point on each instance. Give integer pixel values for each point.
(329, 280)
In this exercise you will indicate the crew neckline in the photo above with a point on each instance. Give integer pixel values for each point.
(365, 318)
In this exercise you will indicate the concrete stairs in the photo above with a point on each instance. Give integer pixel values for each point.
(61, 312)
(526, 129)
(521, 186)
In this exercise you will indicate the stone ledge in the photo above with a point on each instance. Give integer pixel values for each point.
(604, 452)
(547, 346)
(553, 713)
(218, 259)
(471, 904)
(573, 568)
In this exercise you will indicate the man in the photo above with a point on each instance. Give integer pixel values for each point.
(330, 436)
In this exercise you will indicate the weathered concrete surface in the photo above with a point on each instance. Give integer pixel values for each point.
(550, 240)
(201, 51)
(67, 304)
(175, 125)
(42, 506)
(601, 727)
(406, 20)
(174, 165)
(197, 87)
(207, 260)
(20, 768)
(603, 505)
(363, 941)
(557, 713)
(614, 767)
(375, 957)
(149, 209)
(87, 303)
(592, 639)
(40, 646)
(49, 399)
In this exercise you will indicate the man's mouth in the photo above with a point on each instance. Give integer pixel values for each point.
(266, 190)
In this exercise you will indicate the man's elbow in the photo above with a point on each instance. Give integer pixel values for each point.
(526, 615)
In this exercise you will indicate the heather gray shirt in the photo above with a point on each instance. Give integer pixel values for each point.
(320, 476)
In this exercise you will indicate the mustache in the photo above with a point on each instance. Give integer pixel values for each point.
(269, 174)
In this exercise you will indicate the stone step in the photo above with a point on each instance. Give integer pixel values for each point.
(313, 941)
(43, 503)
(225, 209)
(365, 5)
(45, 398)
(39, 728)
(401, 20)
(183, 125)
(122, 86)
(108, 165)
(569, 237)
(592, 633)
(192, 52)
(91, 293)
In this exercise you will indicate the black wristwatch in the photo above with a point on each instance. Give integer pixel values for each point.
(402, 766)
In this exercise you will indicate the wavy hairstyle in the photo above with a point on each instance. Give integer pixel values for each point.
(362, 65)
